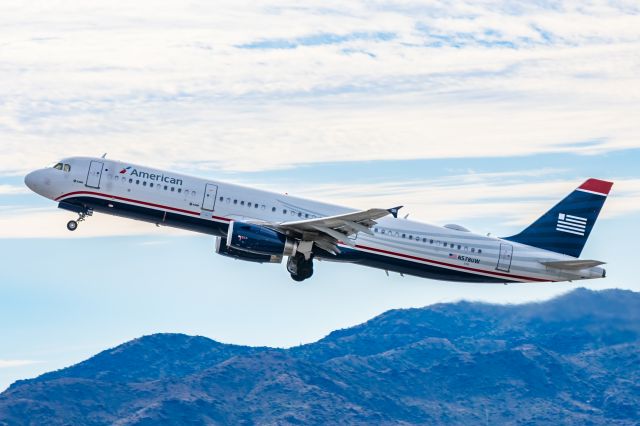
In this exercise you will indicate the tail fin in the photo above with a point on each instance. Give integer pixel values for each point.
(566, 227)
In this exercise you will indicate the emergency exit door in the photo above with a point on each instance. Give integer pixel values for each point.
(209, 200)
(504, 259)
(95, 174)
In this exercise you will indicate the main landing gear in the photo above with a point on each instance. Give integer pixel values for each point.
(72, 225)
(300, 267)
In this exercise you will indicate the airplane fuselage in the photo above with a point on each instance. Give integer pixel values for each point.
(208, 206)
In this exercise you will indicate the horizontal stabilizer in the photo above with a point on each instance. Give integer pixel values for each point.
(572, 264)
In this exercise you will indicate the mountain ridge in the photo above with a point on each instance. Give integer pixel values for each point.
(573, 359)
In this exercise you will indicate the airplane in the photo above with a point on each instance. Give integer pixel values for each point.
(265, 227)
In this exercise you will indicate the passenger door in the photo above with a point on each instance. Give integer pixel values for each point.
(94, 175)
(209, 199)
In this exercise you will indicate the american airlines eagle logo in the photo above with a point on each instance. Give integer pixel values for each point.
(571, 224)
(124, 171)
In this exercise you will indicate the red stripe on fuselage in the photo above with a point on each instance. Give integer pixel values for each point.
(382, 251)
(130, 200)
(408, 256)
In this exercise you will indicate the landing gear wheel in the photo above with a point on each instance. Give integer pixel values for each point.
(72, 225)
(297, 278)
(300, 268)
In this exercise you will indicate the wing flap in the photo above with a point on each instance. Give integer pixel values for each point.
(327, 232)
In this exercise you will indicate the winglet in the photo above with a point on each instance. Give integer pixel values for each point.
(394, 211)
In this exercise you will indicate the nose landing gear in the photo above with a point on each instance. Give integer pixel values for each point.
(299, 267)
(72, 225)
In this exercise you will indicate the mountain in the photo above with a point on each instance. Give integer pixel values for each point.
(571, 360)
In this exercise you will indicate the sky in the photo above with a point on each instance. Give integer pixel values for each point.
(481, 113)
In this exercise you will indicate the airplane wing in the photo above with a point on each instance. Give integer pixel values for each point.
(327, 232)
(572, 264)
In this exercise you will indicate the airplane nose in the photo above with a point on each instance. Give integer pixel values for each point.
(36, 181)
(30, 181)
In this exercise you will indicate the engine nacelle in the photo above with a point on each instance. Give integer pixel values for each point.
(258, 239)
(224, 250)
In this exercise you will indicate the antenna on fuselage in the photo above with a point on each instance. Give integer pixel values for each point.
(104, 155)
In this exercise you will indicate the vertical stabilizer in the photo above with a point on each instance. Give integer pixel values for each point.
(566, 227)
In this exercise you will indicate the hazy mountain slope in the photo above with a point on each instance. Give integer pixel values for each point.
(571, 360)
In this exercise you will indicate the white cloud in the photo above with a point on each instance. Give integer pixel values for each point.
(12, 190)
(165, 81)
(12, 363)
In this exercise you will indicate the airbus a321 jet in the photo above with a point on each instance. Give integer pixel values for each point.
(261, 226)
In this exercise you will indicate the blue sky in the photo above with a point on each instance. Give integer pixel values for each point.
(482, 114)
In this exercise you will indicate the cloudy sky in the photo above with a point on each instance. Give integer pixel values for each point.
(482, 113)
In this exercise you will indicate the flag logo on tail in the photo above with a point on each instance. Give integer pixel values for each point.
(571, 224)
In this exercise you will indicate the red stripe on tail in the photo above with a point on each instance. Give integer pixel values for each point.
(596, 185)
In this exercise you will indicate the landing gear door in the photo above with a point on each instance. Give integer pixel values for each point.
(95, 174)
(209, 200)
(504, 259)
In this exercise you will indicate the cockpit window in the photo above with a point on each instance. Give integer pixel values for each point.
(67, 168)
(58, 166)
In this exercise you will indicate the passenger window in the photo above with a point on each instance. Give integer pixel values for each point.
(172, 189)
(166, 187)
(151, 185)
(179, 190)
(382, 231)
(248, 203)
(67, 168)
(242, 203)
(473, 250)
(411, 237)
(115, 178)
(284, 211)
(130, 180)
(256, 206)
(228, 200)
(299, 214)
(273, 209)
(479, 251)
(424, 240)
(235, 201)
(144, 183)
(430, 241)
(404, 235)
(458, 246)
(444, 244)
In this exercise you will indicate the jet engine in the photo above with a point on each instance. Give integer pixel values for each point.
(255, 243)
(224, 250)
